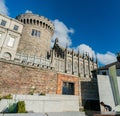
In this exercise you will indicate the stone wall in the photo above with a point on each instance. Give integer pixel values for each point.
(16, 78)
(35, 44)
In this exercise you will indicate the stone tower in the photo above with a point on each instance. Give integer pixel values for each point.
(36, 36)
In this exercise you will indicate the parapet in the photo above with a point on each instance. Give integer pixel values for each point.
(34, 19)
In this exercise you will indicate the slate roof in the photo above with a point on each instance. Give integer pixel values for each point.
(109, 65)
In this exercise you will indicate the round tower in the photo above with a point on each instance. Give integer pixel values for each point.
(36, 35)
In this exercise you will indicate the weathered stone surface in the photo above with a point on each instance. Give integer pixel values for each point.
(23, 80)
(38, 44)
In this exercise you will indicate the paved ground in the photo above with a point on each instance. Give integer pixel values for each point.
(61, 114)
(48, 114)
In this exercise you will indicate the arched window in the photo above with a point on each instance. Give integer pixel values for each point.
(81, 68)
(75, 67)
(61, 66)
(69, 66)
(86, 69)
(56, 64)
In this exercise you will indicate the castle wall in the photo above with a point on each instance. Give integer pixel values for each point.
(20, 79)
(36, 36)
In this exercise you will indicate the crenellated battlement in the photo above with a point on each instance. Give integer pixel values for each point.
(37, 20)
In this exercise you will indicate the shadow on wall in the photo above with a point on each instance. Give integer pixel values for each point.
(93, 105)
(90, 96)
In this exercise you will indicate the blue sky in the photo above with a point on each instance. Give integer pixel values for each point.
(88, 25)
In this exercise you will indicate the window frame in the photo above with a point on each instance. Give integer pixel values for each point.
(35, 33)
(3, 22)
(68, 88)
(15, 27)
(11, 41)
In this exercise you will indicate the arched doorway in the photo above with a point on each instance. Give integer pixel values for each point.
(7, 56)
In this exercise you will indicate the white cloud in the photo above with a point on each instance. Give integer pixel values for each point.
(86, 49)
(28, 11)
(106, 58)
(3, 8)
(62, 33)
(103, 59)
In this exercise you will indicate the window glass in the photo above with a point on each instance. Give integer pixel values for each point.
(81, 68)
(86, 67)
(69, 66)
(75, 67)
(3, 22)
(35, 33)
(15, 27)
(32, 33)
(38, 34)
(68, 88)
(11, 42)
(56, 65)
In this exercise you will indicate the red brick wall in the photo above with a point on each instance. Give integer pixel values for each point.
(21, 79)
(67, 78)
